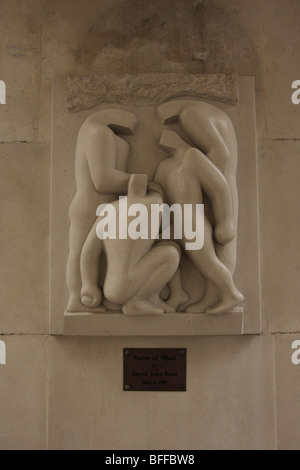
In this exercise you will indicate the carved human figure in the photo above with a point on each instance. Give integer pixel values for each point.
(185, 175)
(210, 130)
(100, 164)
(137, 269)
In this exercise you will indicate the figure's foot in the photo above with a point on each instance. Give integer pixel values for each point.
(199, 307)
(202, 305)
(142, 307)
(225, 304)
(111, 306)
(161, 303)
(191, 301)
(224, 232)
(91, 296)
(177, 297)
(75, 306)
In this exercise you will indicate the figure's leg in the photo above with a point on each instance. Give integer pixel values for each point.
(157, 300)
(112, 306)
(207, 262)
(73, 274)
(151, 273)
(91, 295)
(178, 296)
(165, 292)
(76, 241)
(207, 300)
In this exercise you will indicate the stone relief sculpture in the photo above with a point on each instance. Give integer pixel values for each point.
(143, 276)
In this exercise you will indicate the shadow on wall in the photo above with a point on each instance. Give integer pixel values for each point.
(140, 36)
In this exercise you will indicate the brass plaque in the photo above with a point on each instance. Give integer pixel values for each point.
(154, 370)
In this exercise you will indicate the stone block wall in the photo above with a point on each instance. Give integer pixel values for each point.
(66, 392)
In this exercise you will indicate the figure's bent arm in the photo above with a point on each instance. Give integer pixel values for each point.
(203, 126)
(218, 191)
(101, 154)
(208, 128)
(89, 267)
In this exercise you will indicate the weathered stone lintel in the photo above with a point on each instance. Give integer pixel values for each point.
(85, 92)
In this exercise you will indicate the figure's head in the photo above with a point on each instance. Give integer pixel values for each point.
(119, 121)
(170, 141)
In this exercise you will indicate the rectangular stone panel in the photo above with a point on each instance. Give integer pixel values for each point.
(173, 324)
(229, 402)
(145, 158)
